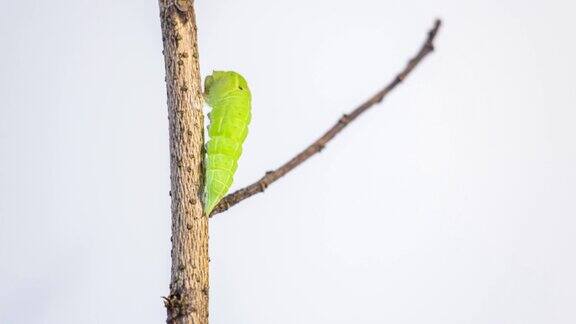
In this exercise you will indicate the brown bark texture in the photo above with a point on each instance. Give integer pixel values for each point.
(188, 299)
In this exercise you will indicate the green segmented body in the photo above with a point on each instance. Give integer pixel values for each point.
(227, 93)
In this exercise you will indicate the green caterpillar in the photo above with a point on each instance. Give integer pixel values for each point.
(228, 94)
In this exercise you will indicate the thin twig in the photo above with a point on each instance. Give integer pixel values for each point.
(271, 176)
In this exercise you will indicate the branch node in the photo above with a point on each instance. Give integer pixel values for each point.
(183, 5)
(344, 120)
(176, 306)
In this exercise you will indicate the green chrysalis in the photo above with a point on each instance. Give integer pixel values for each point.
(227, 93)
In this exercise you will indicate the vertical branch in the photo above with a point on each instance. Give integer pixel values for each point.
(188, 299)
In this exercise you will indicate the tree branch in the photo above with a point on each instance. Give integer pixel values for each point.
(271, 176)
(188, 299)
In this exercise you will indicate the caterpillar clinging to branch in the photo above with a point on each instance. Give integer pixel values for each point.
(228, 94)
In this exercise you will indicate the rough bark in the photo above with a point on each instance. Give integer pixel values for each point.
(188, 299)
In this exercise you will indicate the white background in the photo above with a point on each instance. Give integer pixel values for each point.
(452, 202)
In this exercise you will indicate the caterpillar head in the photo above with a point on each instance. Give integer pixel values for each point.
(223, 83)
